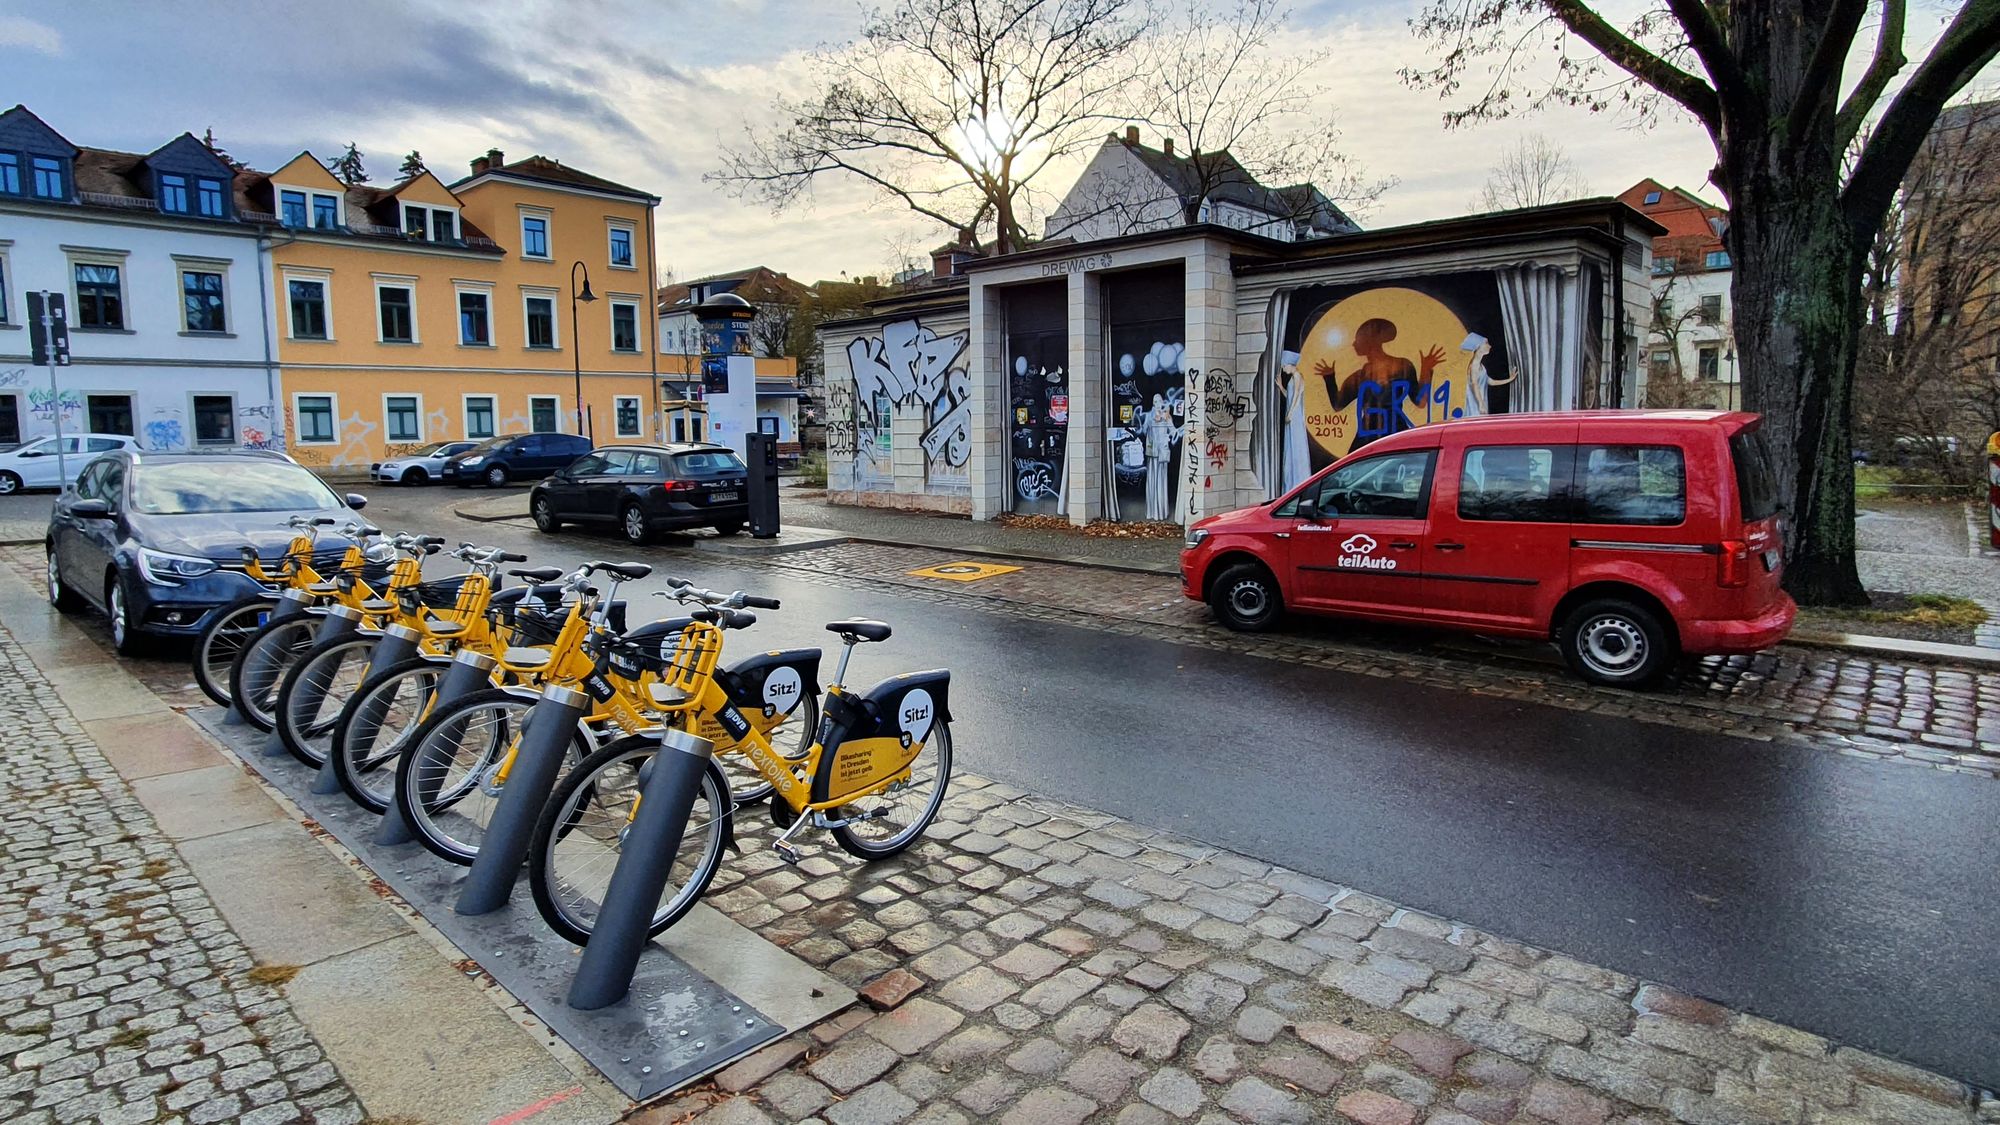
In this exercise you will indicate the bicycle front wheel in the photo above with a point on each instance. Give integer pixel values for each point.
(449, 779)
(314, 690)
(222, 638)
(260, 667)
(375, 727)
(888, 822)
(581, 834)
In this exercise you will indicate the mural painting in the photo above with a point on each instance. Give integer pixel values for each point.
(905, 366)
(1038, 396)
(1364, 361)
(1146, 426)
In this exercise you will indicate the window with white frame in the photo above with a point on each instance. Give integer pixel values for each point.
(326, 211)
(292, 209)
(625, 408)
(535, 234)
(624, 326)
(475, 318)
(621, 248)
(313, 415)
(305, 301)
(545, 414)
(396, 310)
(403, 417)
(202, 301)
(538, 312)
(430, 224)
(479, 416)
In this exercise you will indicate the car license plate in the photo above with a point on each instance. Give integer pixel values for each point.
(722, 495)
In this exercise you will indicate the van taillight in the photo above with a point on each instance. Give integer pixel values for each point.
(1735, 563)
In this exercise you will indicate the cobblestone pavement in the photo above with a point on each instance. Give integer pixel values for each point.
(127, 998)
(1935, 714)
(1060, 964)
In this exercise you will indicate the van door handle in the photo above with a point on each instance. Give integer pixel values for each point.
(1401, 544)
(1449, 546)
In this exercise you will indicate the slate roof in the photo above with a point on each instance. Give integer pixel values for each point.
(1229, 182)
(543, 169)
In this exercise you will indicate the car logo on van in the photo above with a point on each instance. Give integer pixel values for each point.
(1356, 554)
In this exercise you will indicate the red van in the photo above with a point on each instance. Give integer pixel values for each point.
(1627, 537)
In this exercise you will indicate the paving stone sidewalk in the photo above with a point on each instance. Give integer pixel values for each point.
(127, 998)
(1045, 964)
(1939, 715)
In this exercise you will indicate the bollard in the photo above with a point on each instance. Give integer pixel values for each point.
(340, 621)
(469, 672)
(543, 743)
(1993, 490)
(394, 646)
(291, 603)
(645, 863)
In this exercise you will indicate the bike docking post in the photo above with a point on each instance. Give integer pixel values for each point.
(468, 672)
(645, 863)
(545, 738)
(290, 603)
(340, 621)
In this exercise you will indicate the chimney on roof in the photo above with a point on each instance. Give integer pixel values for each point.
(1131, 134)
(1167, 145)
(494, 158)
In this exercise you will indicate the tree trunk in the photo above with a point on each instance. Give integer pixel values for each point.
(1797, 291)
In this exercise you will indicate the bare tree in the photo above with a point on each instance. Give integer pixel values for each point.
(1533, 173)
(1680, 321)
(771, 331)
(952, 108)
(1240, 109)
(1764, 78)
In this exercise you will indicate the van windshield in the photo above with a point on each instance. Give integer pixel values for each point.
(1756, 484)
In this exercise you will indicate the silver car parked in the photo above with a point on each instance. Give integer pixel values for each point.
(421, 467)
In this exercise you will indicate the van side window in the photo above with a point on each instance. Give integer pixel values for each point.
(1392, 486)
(1516, 483)
(1637, 484)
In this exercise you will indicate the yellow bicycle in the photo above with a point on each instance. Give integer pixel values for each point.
(224, 634)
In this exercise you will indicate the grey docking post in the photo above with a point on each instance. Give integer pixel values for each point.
(645, 863)
(290, 603)
(468, 672)
(545, 738)
(396, 644)
(340, 621)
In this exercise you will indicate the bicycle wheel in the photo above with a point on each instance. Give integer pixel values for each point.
(448, 778)
(791, 739)
(260, 668)
(578, 838)
(314, 690)
(905, 810)
(222, 638)
(375, 726)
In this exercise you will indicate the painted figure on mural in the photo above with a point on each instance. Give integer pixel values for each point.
(1296, 456)
(1160, 433)
(1383, 383)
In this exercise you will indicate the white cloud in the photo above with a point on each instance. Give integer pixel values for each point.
(20, 31)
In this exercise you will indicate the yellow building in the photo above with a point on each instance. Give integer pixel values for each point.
(425, 312)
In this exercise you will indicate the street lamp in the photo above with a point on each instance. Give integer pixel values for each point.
(576, 340)
(1730, 355)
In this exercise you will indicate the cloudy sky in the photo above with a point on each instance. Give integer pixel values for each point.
(646, 91)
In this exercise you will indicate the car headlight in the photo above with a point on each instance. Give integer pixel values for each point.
(162, 569)
(471, 462)
(1194, 538)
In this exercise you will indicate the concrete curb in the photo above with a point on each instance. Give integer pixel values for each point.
(1898, 648)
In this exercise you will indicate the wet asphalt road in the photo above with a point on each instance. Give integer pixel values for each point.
(1846, 897)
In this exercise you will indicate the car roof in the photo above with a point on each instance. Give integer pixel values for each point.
(669, 447)
(198, 457)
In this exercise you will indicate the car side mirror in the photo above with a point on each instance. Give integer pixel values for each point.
(90, 510)
(356, 501)
(1309, 511)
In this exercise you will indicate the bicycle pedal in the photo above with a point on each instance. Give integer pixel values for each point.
(787, 853)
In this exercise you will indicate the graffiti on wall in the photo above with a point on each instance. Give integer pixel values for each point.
(164, 433)
(42, 403)
(910, 367)
(16, 377)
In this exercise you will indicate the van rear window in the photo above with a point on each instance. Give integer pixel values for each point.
(1635, 484)
(1756, 484)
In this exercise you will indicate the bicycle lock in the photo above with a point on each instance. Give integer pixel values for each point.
(645, 863)
(469, 672)
(396, 644)
(545, 739)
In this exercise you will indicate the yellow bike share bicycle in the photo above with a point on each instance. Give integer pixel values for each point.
(875, 775)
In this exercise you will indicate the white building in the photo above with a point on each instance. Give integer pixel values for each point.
(166, 285)
(1690, 351)
(1128, 188)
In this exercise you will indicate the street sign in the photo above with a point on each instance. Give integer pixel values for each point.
(48, 329)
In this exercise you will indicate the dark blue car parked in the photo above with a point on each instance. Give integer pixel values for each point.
(155, 540)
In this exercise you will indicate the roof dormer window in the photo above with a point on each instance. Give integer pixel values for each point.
(429, 224)
(1652, 197)
(209, 199)
(173, 193)
(50, 180)
(10, 174)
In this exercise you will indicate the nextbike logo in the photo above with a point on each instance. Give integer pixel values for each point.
(1357, 554)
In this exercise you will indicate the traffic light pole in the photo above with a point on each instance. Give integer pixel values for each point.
(51, 312)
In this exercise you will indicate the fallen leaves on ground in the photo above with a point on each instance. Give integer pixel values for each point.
(1099, 529)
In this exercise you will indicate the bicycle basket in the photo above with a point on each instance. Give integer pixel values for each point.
(692, 661)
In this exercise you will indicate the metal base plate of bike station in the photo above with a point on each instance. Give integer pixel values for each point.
(706, 993)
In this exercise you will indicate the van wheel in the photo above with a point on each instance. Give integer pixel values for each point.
(1246, 598)
(1616, 643)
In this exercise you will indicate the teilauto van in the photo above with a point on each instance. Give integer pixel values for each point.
(1627, 537)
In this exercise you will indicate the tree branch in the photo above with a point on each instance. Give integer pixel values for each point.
(1819, 87)
(1696, 96)
(1887, 63)
(1970, 42)
(1711, 46)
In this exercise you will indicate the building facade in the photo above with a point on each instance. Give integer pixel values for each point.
(1131, 188)
(1690, 346)
(426, 312)
(166, 284)
(1179, 373)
